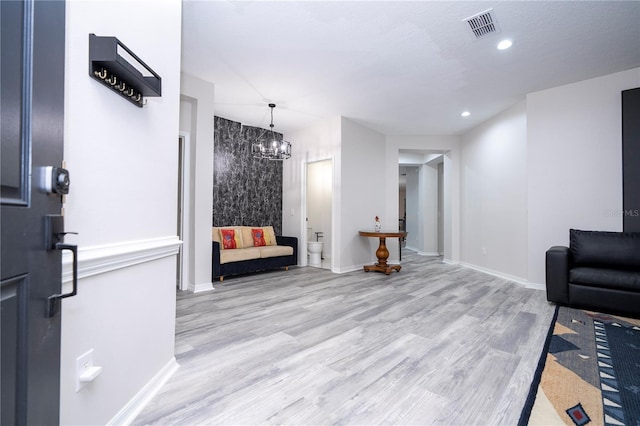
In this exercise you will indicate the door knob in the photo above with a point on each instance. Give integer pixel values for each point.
(54, 299)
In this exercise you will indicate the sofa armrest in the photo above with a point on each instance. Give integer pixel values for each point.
(558, 260)
(215, 258)
(291, 242)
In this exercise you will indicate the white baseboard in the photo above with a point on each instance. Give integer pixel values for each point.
(423, 253)
(536, 286)
(522, 281)
(428, 253)
(200, 287)
(346, 269)
(518, 280)
(128, 413)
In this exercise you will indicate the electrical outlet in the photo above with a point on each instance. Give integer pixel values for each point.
(85, 370)
(484, 251)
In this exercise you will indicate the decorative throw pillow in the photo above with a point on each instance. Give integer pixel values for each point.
(228, 239)
(258, 237)
(269, 235)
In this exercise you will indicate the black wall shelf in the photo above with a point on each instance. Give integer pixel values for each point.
(114, 65)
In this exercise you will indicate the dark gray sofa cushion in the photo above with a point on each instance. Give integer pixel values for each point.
(615, 250)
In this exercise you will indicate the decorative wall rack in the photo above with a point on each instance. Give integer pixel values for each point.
(118, 68)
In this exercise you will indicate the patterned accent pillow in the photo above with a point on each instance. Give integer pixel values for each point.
(229, 239)
(258, 237)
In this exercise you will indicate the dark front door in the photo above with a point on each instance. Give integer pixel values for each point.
(32, 136)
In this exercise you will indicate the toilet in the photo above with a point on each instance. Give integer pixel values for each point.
(315, 249)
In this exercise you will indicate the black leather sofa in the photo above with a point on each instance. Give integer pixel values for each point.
(598, 271)
(254, 265)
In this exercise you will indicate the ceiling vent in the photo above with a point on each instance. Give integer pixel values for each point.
(483, 24)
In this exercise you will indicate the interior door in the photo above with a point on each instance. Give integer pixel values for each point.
(32, 139)
(181, 169)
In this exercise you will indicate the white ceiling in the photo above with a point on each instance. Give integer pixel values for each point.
(398, 67)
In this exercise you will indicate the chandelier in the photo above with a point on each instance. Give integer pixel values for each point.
(273, 149)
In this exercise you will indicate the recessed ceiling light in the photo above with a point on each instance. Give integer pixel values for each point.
(465, 114)
(504, 44)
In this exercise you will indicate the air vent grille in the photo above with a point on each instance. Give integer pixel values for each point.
(483, 24)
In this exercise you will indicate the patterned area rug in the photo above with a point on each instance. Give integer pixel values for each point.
(589, 372)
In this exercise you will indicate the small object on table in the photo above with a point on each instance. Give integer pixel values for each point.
(382, 253)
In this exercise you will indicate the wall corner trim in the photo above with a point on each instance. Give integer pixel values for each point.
(200, 287)
(106, 258)
(128, 413)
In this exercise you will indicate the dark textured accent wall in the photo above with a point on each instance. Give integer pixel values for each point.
(246, 191)
(631, 160)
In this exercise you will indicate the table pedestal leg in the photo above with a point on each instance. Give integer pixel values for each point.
(382, 254)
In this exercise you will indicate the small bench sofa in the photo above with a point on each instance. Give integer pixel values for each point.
(598, 271)
(247, 249)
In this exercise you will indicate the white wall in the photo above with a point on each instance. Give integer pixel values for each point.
(320, 141)
(196, 118)
(413, 209)
(319, 201)
(494, 194)
(123, 165)
(358, 158)
(574, 161)
(449, 145)
(187, 126)
(402, 196)
(428, 223)
(365, 185)
(451, 206)
(362, 197)
(440, 207)
(421, 169)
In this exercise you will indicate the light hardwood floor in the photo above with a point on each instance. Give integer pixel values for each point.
(432, 344)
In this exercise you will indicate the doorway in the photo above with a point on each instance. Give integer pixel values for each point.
(180, 212)
(421, 196)
(318, 213)
(183, 212)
